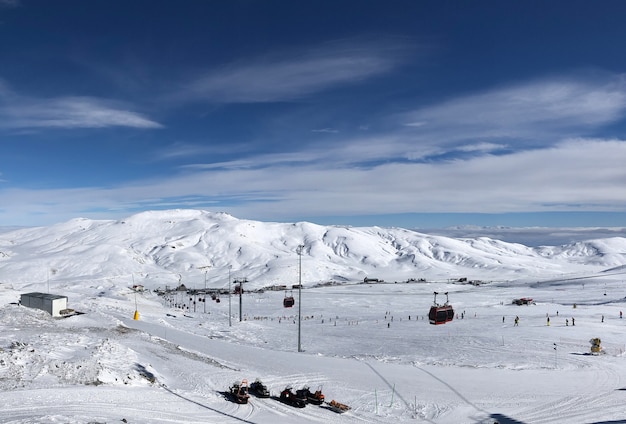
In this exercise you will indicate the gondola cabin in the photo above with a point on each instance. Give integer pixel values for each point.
(440, 314)
(288, 301)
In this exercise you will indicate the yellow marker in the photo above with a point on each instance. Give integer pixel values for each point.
(136, 316)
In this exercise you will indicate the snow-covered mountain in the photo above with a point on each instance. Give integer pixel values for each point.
(196, 247)
(144, 358)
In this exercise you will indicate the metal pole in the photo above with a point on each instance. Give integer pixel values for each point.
(240, 291)
(299, 296)
(230, 314)
(204, 299)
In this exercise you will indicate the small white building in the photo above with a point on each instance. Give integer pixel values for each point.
(51, 303)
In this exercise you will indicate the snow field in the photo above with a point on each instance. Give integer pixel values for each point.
(360, 347)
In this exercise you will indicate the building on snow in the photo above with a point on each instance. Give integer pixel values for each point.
(54, 304)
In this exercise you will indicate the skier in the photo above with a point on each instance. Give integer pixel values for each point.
(516, 321)
(566, 322)
(548, 319)
(573, 322)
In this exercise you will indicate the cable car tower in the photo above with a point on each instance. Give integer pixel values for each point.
(440, 314)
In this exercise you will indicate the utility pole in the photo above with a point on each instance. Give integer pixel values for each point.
(203, 298)
(230, 314)
(299, 251)
(240, 293)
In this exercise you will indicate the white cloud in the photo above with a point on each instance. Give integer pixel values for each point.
(273, 80)
(22, 112)
(481, 147)
(9, 3)
(326, 130)
(525, 110)
(578, 174)
(69, 112)
(261, 161)
(186, 150)
(415, 124)
(343, 153)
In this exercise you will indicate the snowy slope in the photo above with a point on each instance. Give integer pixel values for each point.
(367, 345)
(191, 245)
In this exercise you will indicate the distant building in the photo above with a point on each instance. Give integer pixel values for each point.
(279, 287)
(51, 303)
(372, 280)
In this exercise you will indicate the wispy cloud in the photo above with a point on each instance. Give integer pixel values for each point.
(9, 3)
(262, 161)
(22, 112)
(481, 147)
(70, 112)
(286, 79)
(577, 174)
(538, 180)
(565, 106)
(345, 153)
(183, 150)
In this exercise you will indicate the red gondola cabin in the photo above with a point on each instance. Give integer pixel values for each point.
(440, 314)
(288, 301)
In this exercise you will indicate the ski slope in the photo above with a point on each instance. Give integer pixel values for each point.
(369, 346)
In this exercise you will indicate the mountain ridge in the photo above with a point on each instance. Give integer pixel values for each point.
(201, 247)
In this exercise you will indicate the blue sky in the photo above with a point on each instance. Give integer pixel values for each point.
(417, 114)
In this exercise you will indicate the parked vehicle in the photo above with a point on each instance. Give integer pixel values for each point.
(239, 392)
(315, 398)
(290, 398)
(259, 389)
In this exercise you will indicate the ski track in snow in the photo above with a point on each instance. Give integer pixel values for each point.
(121, 351)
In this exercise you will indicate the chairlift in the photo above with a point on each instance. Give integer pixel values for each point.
(289, 301)
(440, 314)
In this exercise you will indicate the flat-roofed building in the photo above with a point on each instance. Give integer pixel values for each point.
(51, 303)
